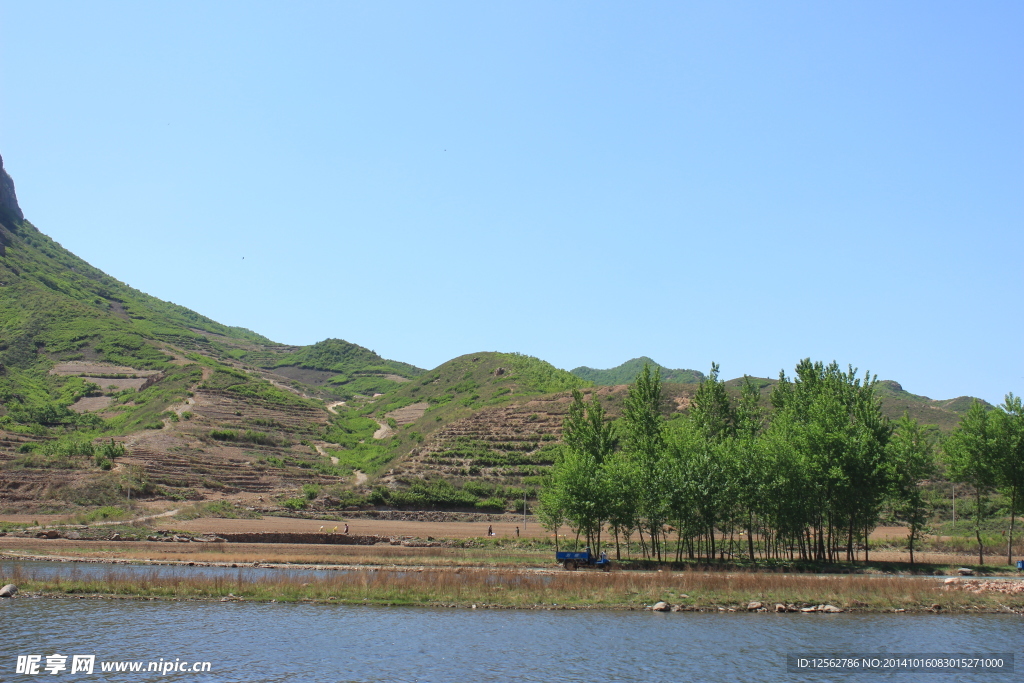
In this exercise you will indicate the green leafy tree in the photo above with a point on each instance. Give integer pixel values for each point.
(912, 461)
(835, 425)
(704, 461)
(578, 475)
(550, 508)
(621, 474)
(972, 453)
(1010, 475)
(751, 473)
(643, 434)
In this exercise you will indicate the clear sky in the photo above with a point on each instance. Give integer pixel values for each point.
(586, 182)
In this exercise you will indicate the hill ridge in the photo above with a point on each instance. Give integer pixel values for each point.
(627, 372)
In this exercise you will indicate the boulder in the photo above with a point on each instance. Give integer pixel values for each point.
(8, 591)
(661, 606)
(965, 571)
(754, 606)
(51, 533)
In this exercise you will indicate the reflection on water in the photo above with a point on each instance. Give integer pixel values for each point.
(330, 643)
(100, 570)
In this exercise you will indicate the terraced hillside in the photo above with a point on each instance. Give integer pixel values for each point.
(106, 391)
(512, 444)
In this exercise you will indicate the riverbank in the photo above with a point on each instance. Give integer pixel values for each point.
(686, 591)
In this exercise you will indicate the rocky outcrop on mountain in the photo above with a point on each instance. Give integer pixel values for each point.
(8, 199)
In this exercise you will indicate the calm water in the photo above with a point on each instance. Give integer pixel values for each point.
(332, 643)
(99, 570)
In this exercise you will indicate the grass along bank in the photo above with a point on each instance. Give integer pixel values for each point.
(691, 591)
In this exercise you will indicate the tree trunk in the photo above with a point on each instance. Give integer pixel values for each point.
(750, 537)
(1009, 541)
(849, 541)
(977, 526)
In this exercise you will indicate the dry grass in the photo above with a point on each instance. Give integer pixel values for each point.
(247, 553)
(510, 588)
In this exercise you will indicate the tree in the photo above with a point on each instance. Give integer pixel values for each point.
(704, 461)
(750, 472)
(1010, 474)
(834, 424)
(912, 461)
(580, 489)
(620, 473)
(711, 410)
(550, 511)
(972, 455)
(644, 442)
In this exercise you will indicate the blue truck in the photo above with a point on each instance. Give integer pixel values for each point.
(575, 559)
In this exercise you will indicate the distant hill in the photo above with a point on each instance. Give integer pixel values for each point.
(942, 415)
(627, 372)
(333, 368)
(207, 410)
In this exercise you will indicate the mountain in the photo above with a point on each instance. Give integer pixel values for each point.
(203, 408)
(627, 372)
(8, 198)
(105, 390)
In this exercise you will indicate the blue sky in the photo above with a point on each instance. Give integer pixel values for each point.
(745, 183)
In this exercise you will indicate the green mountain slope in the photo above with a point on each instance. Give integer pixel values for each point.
(207, 409)
(627, 372)
(453, 391)
(333, 368)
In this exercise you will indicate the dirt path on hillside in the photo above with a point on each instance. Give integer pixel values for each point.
(331, 406)
(385, 430)
(321, 451)
(145, 518)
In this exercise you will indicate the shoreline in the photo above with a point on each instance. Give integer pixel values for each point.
(528, 588)
(692, 609)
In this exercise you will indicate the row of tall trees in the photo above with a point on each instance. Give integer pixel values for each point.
(809, 478)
